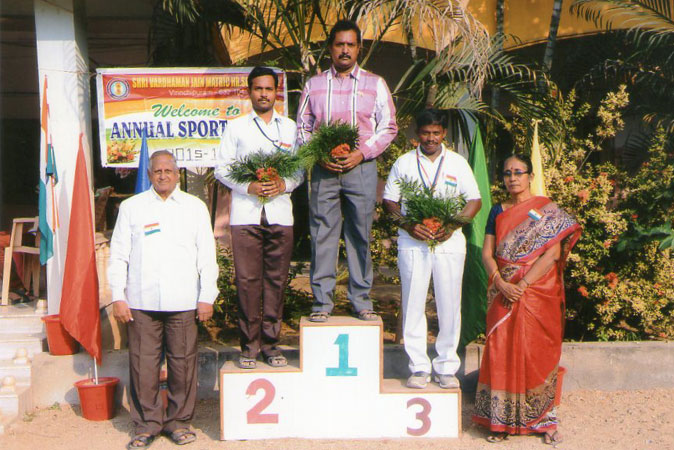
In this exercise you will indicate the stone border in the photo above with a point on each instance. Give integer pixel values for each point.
(604, 366)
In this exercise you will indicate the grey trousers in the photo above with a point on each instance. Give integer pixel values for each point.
(350, 195)
(146, 334)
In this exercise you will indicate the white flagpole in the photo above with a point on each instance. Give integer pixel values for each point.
(95, 371)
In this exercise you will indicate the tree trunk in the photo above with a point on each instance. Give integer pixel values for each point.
(552, 35)
(495, 94)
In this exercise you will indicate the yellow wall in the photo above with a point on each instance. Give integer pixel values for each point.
(529, 20)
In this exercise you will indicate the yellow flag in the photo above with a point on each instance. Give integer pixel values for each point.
(538, 183)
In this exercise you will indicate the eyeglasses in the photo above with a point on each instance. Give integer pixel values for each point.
(516, 174)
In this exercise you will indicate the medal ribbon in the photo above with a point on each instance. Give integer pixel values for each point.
(422, 171)
(273, 141)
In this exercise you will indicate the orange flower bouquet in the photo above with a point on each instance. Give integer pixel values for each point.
(422, 207)
(261, 166)
(327, 143)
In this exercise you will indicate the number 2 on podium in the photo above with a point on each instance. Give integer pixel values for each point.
(255, 415)
(343, 370)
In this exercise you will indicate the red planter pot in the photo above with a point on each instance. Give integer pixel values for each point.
(97, 400)
(59, 341)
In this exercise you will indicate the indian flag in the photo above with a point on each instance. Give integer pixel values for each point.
(535, 214)
(450, 180)
(152, 228)
(48, 210)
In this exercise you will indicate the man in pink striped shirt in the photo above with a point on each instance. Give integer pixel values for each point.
(350, 94)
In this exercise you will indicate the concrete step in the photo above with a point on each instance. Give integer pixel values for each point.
(21, 372)
(16, 403)
(18, 324)
(21, 318)
(10, 342)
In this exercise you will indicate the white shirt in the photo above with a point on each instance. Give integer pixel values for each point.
(455, 177)
(250, 134)
(162, 253)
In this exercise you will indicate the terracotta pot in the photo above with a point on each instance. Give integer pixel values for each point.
(58, 339)
(97, 400)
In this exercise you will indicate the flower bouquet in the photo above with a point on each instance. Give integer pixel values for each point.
(422, 207)
(121, 151)
(263, 167)
(328, 142)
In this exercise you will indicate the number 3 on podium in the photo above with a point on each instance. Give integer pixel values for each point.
(422, 416)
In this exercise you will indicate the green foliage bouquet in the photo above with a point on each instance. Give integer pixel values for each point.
(422, 207)
(328, 142)
(261, 166)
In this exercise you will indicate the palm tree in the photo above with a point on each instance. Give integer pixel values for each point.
(647, 31)
(646, 28)
(552, 35)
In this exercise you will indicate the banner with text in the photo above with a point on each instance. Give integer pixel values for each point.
(182, 110)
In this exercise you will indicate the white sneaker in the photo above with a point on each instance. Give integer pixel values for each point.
(418, 380)
(447, 381)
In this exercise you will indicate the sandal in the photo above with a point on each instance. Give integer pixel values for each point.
(319, 317)
(553, 438)
(182, 436)
(368, 315)
(140, 441)
(277, 361)
(247, 363)
(497, 437)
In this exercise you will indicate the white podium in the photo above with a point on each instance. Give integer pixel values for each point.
(337, 392)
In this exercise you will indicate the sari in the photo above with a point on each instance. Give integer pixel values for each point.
(518, 375)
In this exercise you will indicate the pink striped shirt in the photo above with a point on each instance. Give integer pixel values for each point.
(361, 99)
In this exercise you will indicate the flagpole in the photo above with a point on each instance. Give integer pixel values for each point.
(95, 371)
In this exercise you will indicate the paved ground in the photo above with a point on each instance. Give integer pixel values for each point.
(590, 420)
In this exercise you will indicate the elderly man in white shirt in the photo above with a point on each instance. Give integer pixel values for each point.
(262, 233)
(163, 275)
(447, 174)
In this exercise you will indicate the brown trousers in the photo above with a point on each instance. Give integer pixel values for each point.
(146, 337)
(261, 261)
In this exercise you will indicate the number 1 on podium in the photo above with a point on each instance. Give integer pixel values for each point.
(343, 370)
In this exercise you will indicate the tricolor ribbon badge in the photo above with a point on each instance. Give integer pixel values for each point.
(152, 228)
(535, 214)
(285, 146)
(450, 180)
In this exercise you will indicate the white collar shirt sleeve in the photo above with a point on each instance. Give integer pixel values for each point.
(249, 134)
(162, 253)
(455, 177)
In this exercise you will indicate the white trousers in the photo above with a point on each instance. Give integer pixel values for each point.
(416, 266)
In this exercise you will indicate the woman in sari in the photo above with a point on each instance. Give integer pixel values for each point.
(527, 240)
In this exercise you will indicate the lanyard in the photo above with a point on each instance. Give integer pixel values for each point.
(422, 171)
(273, 141)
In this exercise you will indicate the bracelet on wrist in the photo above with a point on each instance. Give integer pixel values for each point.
(526, 282)
(494, 274)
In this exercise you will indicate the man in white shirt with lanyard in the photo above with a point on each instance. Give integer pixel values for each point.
(446, 173)
(163, 275)
(262, 234)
